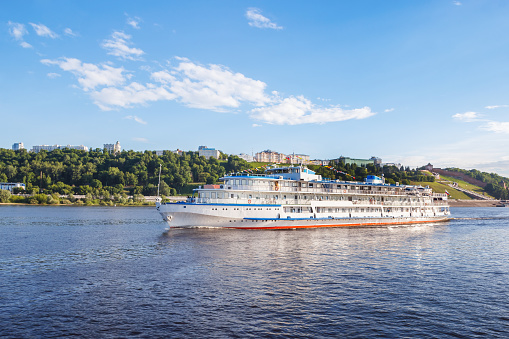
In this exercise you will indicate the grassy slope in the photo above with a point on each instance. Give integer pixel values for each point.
(464, 184)
(440, 188)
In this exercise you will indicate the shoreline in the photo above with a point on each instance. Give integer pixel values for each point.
(472, 203)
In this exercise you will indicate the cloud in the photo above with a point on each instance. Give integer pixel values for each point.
(90, 76)
(110, 98)
(25, 44)
(42, 30)
(256, 125)
(135, 118)
(256, 19)
(134, 22)
(69, 32)
(118, 46)
(496, 106)
(211, 87)
(145, 140)
(457, 3)
(53, 75)
(388, 110)
(17, 30)
(496, 126)
(467, 116)
(299, 110)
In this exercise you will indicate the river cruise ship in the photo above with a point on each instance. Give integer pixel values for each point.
(296, 197)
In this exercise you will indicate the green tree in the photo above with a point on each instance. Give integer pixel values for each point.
(4, 196)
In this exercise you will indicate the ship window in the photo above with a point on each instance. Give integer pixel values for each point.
(244, 182)
(304, 185)
(232, 196)
(213, 195)
(237, 182)
(310, 185)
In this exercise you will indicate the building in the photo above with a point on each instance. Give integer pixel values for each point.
(247, 157)
(207, 152)
(160, 153)
(360, 162)
(270, 156)
(17, 146)
(113, 148)
(48, 148)
(10, 185)
(300, 159)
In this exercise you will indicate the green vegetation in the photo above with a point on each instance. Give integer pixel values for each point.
(124, 178)
(463, 184)
(109, 178)
(439, 187)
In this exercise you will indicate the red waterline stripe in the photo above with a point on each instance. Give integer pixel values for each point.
(340, 225)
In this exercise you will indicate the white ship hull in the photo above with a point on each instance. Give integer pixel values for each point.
(199, 216)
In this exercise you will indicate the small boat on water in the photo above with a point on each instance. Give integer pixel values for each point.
(296, 197)
(503, 203)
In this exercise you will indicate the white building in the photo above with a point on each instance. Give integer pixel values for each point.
(49, 148)
(113, 148)
(247, 157)
(10, 185)
(160, 153)
(270, 156)
(208, 152)
(17, 146)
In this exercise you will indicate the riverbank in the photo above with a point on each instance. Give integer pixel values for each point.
(472, 203)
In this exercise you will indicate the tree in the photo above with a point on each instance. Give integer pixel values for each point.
(5, 195)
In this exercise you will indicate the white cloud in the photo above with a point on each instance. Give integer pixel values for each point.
(42, 30)
(134, 22)
(17, 30)
(496, 106)
(69, 32)
(118, 46)
(256, 19)
(53, 75)
(256, 125)
(496, 126)
(25, 44)
(214, 87)
(299, 110)
(90, 76)
(135, 118)
(110, 97)
(467, 116)
(457, 3)
(388, 110)
(145, 140)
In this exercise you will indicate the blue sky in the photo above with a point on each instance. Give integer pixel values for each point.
(408, 81)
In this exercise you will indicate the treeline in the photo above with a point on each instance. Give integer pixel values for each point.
(100, 173)
(495, 183)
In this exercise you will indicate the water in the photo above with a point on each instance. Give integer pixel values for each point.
(114, 272)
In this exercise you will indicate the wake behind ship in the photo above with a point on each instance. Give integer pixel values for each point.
(296, 197)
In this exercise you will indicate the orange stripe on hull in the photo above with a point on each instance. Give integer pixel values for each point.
(341, 225)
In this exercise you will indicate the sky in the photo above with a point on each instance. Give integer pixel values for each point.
(411, 82)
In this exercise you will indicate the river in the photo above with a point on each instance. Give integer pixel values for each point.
(109, 272)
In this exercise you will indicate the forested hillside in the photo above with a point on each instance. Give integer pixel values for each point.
(100, 173)
(79, 172)
(495, 183)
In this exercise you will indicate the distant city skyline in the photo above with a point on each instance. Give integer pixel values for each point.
(410, 82)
